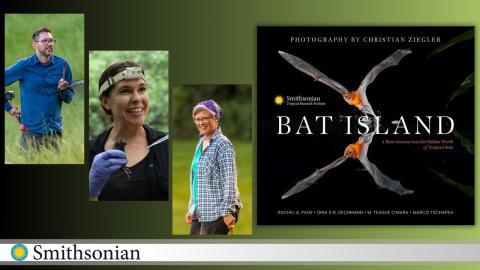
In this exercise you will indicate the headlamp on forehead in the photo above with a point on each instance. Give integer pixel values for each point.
(128, 74)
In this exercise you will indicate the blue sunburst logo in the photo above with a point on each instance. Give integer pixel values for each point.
(19, 252)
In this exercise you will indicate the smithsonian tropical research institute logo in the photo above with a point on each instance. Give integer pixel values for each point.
(19, 252)
(298, 100)
(278, 100)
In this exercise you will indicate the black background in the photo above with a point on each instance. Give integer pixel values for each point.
(419, 85)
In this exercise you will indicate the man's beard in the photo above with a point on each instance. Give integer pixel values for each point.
(46, 52)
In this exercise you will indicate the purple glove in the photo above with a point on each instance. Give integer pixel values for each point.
(103, 165)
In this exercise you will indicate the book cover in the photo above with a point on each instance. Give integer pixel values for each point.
(365, 125)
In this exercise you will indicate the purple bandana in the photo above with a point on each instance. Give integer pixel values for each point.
(211, 106)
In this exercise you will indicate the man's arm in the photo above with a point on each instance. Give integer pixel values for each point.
(66, 93)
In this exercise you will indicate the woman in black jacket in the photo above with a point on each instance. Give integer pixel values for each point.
(129, 161)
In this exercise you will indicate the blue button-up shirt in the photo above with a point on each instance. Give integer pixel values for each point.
(41, 101)
(217, 191)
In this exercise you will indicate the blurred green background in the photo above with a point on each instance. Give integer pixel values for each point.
(155, 66)
(68, 30)
(236, 124)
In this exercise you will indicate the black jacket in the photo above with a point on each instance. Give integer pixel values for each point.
(156, 188)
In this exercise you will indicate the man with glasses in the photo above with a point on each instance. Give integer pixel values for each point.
(44, 84)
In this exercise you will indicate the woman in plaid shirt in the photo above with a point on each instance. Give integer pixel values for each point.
(214, 198)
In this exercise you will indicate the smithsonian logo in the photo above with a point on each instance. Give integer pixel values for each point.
(298, 100)
(62, 252)
(19, 252)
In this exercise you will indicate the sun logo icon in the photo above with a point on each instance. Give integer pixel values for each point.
(278, 100)
(19, 252)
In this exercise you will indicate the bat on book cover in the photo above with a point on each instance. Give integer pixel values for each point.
(357, 98)
(358, 151)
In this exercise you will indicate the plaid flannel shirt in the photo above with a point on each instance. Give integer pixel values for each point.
(217, 191)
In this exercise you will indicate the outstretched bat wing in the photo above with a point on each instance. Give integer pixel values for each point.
(367, 139)
(382, 180)
(313, 72)
(307, 182)
(366, 107)
(392, 60)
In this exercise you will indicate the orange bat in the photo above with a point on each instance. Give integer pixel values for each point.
(357, 98)
(358, 151)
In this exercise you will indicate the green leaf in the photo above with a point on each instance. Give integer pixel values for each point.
(465, 142)
(466, 84)
(463, 37)
(467, 190)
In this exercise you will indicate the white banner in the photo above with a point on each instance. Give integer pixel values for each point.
(59, 253)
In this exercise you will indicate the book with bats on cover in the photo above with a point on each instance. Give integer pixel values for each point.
(365, 125)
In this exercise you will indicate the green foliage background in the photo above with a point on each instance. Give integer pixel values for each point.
(155, 65)
(236, 101)
(68, 30)
(236, 124)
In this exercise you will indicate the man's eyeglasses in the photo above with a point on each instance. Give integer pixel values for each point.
(47, 41)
